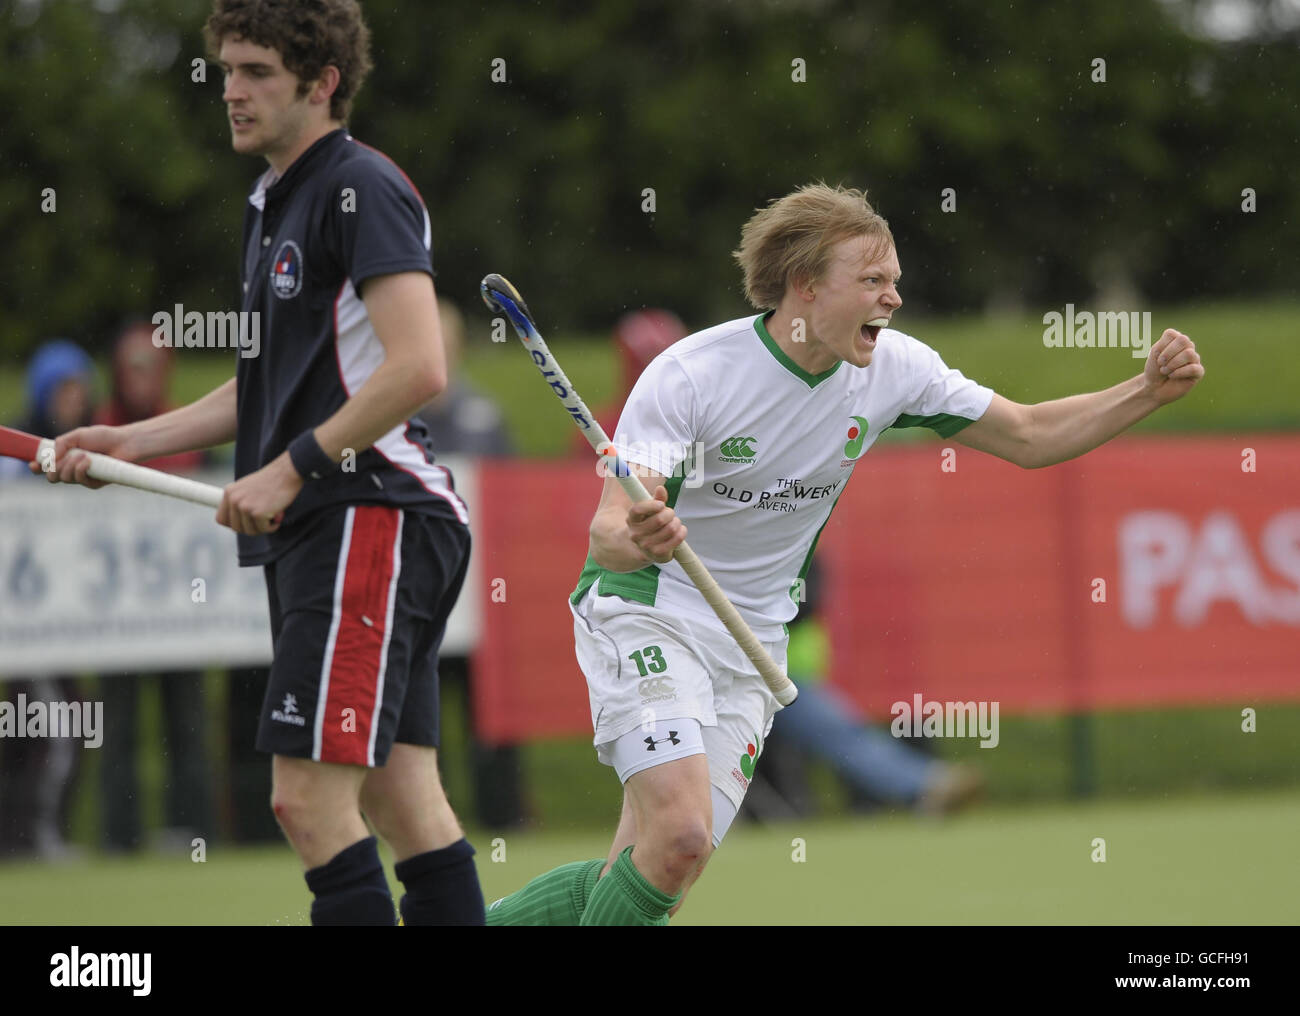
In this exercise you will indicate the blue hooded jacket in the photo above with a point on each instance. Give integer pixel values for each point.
(54, 363)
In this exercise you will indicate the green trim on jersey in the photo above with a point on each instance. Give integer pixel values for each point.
(807, 561)
(641, 586)
(811, 380)
(943, 424)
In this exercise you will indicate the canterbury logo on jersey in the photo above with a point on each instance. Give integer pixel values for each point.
(656, 687)
(738, 449)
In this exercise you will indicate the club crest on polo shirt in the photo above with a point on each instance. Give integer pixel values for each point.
(286, 271)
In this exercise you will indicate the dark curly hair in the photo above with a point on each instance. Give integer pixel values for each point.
(309, 35)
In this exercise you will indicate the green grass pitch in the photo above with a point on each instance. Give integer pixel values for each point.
(1185, 860)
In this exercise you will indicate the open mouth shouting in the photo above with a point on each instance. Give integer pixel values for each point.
(871, 329)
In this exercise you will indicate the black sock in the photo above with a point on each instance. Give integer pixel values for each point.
(351, 888)
(441, 887)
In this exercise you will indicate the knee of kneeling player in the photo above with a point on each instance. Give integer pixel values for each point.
(681, 842)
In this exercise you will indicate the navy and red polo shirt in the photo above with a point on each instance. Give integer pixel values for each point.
(342, 214)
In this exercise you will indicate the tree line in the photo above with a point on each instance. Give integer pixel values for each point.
(603, 156)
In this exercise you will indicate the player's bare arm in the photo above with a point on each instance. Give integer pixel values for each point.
(625, 536)
(204, 423)
(404, 312)
(1051, 432)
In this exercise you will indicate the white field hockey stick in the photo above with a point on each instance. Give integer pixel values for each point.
(502, 297)
(15, 444)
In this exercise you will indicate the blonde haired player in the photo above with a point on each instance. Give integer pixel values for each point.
(772, 413)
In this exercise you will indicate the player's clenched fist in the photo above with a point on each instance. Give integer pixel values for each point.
(256, 503)
(1173, 366)
(655, 528)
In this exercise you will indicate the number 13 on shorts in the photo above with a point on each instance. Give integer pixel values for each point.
(649, 660)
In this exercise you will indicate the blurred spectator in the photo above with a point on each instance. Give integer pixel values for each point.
(37, 774)
(824, 724)
(639, 336)
(463, 421)
(60, 389)
(141, 379)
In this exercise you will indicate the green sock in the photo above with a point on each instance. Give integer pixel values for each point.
(625, 897)
(556, 898)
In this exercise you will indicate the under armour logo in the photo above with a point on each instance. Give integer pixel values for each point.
(650, 742)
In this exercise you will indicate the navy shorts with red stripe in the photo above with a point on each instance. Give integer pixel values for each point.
(359, 606)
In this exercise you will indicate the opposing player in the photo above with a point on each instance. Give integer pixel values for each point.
(363, 540)
(773, 413)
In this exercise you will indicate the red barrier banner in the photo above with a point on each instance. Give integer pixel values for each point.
(1151, 572)
(532, 542)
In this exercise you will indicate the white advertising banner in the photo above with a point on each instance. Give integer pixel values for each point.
(117, 580)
